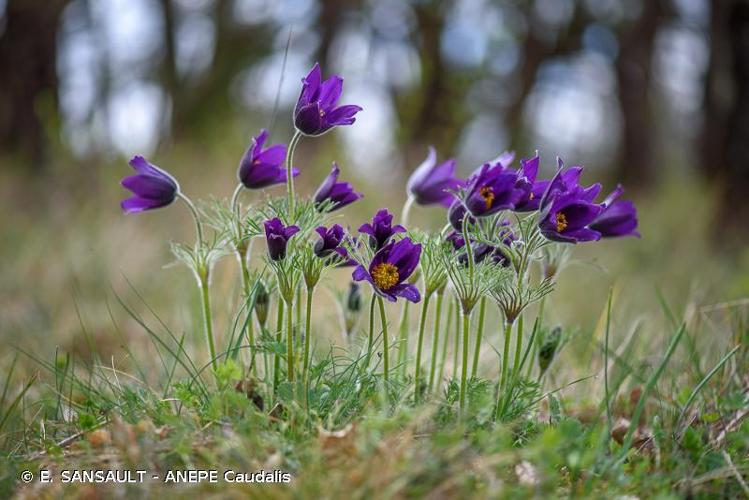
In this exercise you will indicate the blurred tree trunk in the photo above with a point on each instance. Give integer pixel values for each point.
(726, 129)
(29, 84)
(434, 112)
(633, 71)
(169, 75)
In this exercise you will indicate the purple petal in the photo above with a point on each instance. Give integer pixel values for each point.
(136, 204)
(407, 291)
(343, 115)
(330, 91)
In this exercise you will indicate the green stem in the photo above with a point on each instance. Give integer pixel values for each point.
(469, 249)
(505, 355)
(289, 174)
(195, 216)
(279, 339)
(297, 316)
(420, 342)
(435, 339)
(290, 341)
(479, 336)
(207, 321)
(307, 333)
(456, 345)
(464, 373)
(534, 345)
(407, 210)
(403, 338)
(518, 347)
(370, 341)
(385, 344)
(445, 340)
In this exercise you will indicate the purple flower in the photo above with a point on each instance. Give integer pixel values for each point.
(381, 229)
(260, 168)
(151, 187)
(330, 241)
(316, 110)
(390, 267)
(456, 214)
(456, 239)
(618, 218)
(340, 193)
(277, 236)
(494, 188)
(532, 198)
(568, 216)
(431, 183)
(564, 181)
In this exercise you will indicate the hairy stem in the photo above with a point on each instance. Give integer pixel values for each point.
(456, 345)
(290, 341)
(403, 338)
(420, 343)
(385, 343)
(479, 336)
(207, 320)
(435, 339)
(518, 347)
(445, 340)
(464, 372)
(505, 355)
(370, 340)
(279, 339)
(289, 173)
(196, 218)
(308, 322)
(407, 210)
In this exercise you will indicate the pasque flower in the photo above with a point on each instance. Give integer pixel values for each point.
(390, 268)
(380, 230)
(432, 183)
(494, 188)
(618, 218)
(330, 241)
(277, 236)
(339, 193)
(151, 187)
(531, 200)
(567, 209)
(316, 111)
(456, 214)
(260, 168)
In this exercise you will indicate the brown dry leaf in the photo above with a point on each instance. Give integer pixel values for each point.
(337, 445)
(99, 438)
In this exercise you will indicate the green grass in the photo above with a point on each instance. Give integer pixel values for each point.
(106, 367)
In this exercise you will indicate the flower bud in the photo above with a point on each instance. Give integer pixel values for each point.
(262, 304)
(549, 349)
(352, 309)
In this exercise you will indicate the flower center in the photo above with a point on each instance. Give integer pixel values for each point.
(487, 193)
(561, 222)
(531, 196)
(385, 276)
(322, 112)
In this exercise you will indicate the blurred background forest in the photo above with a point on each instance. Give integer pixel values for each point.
(653, 93)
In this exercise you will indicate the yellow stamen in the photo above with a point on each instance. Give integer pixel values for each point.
(385, 276)
(561, 222)
(487, 194)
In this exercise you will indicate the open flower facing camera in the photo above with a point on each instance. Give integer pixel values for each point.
(507, 237)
